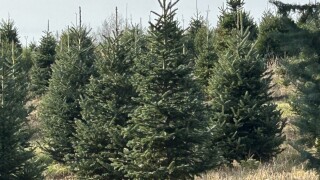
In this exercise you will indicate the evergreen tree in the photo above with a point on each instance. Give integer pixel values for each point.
(242, 107)
(60, 105)
(206, 55)
(199, 47)
(230, 19)
(15, 151)
(41, 69)
(279, 36)
(303, 71)
(105, 109)
(306, 103)
(27, 58)
(195, 26)
(9, 33)
(168, 131)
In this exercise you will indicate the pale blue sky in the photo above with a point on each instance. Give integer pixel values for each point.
(31, 16)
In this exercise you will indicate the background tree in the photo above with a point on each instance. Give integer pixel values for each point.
(60, 106)
(168, 131)
(241, 102)
(41, 69)
(230, 19)
(302, 70)
(279, 36)
(206, 55)
(197, 23)
(9, 33)
(305, 69)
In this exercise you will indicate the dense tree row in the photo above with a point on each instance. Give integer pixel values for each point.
(165, 103)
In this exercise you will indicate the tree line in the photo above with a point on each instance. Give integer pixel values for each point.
(161, 103)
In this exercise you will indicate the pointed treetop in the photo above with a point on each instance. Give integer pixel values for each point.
(48, 28)
(234, 5)
(80, 16)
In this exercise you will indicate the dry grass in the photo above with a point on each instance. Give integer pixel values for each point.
(266, 172)
(287, 166)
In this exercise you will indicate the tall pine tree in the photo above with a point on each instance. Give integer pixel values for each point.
(242, 107)
(168, 131)
(60, 106)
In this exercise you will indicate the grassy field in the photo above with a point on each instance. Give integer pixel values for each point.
(286, 166)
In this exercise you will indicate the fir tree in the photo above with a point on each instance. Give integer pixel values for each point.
(106, 107)
(230, 19)
(60, 106)
(41, 69)
(15, 151)
(279, 36)
(242, 107)
(9, 33)
(200, 49)
(195, 26)
(168, 131)
(206, 55)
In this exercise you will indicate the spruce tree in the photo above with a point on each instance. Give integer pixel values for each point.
(15, 150)
(230, 19)
(279, 36)
(105, 109)
(197, 23)
(9, 33)
(168, 131)
(60, 105)
(206, 55)
(241, 102)
(41, 69)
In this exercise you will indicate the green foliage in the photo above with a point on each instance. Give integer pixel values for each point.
(249, 124)
(304, 69)
(230, 19)
(279, 36)
(15, 150)
(41, 69)
(206, 56)
(306, 104)
(105, 109)
(168, 133)
(60, 105)
(199, 48)
(195, 26)
(306, 11)
(9, 33)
